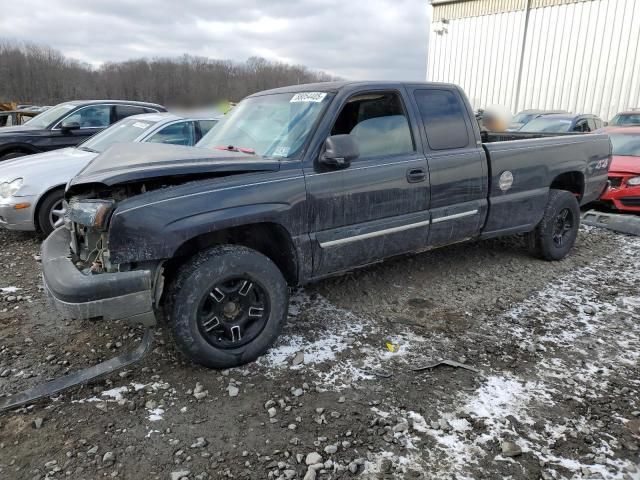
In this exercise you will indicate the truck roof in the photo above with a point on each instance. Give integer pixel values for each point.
(337, 86)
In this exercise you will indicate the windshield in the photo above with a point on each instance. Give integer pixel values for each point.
(275, 125)
(628, 119)
(548, 124)
(124, 131)
(47, 117)
(523, 117)
(626, 144)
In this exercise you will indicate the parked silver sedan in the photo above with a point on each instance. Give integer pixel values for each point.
(32, 188)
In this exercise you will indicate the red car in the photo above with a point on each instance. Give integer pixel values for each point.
(624, 172)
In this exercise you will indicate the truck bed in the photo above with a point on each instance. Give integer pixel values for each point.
(538, 164)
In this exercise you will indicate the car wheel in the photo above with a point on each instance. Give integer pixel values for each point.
(556, 233)
(227, 306)
(51, 211)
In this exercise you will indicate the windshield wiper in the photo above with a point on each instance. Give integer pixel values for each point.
(231, 148)
(87, 149)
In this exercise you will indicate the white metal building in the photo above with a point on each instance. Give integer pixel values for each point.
(578, 55)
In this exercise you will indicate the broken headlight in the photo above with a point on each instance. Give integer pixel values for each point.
(634, 181)
(91, 213)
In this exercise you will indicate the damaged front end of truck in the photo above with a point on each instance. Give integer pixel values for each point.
(91, 270)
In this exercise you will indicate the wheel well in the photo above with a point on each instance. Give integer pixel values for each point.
(270, 239)
(17, 148)
(570, 181)
(36, 210)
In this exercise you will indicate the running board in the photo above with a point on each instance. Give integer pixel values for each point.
(80, 377)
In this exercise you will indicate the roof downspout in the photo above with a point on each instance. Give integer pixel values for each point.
(429, 27)
(522, 47)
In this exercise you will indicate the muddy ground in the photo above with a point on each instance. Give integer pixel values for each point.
(553, 390)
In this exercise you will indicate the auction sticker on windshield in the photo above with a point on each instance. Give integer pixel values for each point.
(308, 97)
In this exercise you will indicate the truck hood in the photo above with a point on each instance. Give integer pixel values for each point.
(625, 164)
(123, 163)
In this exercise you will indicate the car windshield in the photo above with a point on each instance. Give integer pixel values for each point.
(523, 117)
(627, 119)
(48, 117)
(124, 131)
(548, 124)
(626, 144)
(275, 125)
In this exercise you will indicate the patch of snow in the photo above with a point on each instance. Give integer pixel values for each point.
(9, 289)
(155, 415)
(115, 393)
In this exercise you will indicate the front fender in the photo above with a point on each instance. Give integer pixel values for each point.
(156, 230)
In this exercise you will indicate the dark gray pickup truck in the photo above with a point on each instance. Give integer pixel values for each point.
(296, 184)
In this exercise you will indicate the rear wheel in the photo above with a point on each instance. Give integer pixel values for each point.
(227, 306)
(51, 211)
(556, 233)
(15, 154)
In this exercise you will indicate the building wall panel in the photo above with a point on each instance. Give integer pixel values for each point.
(581, 56)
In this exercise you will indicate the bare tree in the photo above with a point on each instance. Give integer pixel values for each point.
(41, 75)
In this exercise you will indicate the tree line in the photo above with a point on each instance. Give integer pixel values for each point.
(44, 76)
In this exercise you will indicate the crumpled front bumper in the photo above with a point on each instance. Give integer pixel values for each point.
(624, 197)
(109, 296)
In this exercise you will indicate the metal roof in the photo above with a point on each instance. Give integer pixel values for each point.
(452, 9)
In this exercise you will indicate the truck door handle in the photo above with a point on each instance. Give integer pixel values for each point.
(415, 175)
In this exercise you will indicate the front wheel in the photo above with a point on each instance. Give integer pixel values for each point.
(227, 306)
(556, 233)
(51, 211)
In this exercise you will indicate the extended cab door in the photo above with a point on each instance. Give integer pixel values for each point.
(378, 205)
(457, 164)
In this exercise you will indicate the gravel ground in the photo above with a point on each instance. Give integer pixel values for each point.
(549, 385)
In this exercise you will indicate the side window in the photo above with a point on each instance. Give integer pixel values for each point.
(378, 122)
(181, 133)
(94, 116)
(444, 118)
(124, 111)
(206, 125)
(592, 124)
(581, 126)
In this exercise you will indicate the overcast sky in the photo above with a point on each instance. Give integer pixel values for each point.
(354, 39)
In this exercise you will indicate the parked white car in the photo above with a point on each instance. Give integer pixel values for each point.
(32, 187)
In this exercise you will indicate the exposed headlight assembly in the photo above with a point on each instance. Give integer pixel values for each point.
(91, 213)
(633, 181)
(8, 189)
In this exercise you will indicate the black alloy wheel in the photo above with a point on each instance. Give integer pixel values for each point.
(563, 227)
(233, 313)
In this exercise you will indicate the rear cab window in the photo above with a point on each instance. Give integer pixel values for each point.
(444, 118)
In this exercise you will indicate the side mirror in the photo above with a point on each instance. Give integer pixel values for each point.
(339, 151)
(68, 126)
